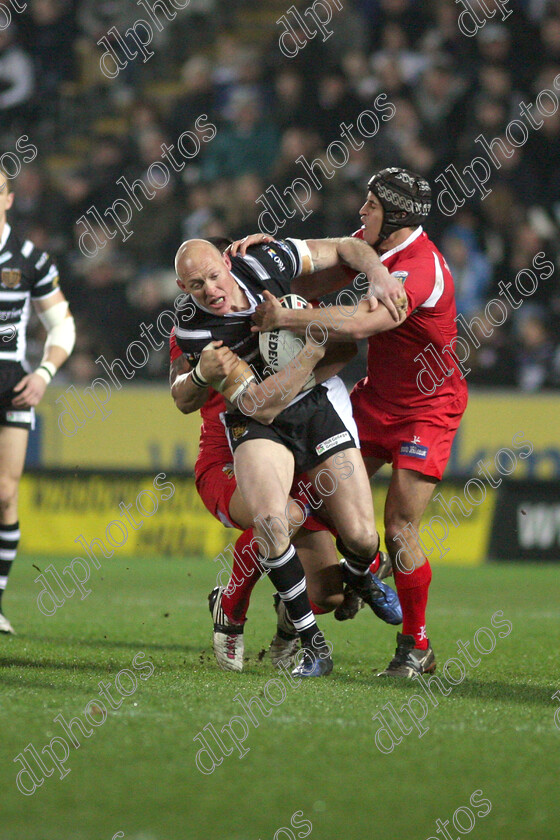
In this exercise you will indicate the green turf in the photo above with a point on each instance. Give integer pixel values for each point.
(314, 753)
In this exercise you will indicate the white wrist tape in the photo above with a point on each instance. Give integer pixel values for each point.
(306, 260)
(61, 330)
(198, 378)
(46, 371)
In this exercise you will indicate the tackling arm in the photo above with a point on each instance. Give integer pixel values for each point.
(341, 323)
(358, 255)
(331, 260)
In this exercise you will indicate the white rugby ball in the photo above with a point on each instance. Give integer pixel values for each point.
(279, 347)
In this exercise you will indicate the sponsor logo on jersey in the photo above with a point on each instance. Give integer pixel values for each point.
(329, 443)
(11, 278)
(400, 275)
(274, 255)
(238, 429)
(228, 470)
(12, 313)
(414, 450)
(285, 247)
(275, 258)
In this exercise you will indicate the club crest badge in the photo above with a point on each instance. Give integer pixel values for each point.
(238, 429)
(400, 275)
(11, 278)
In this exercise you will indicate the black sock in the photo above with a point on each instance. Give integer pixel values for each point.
(286, 574)
(9, 539)
(358, 566)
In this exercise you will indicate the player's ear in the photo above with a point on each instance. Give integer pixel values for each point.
(227, 259)
(180, 284)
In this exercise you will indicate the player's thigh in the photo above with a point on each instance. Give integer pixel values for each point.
(348, 501)
(264, 471)
(322, 570)
(407, 499)
(239, 512)
(13, 446)
(349, 497)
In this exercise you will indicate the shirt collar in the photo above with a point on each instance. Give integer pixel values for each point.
(413, 236)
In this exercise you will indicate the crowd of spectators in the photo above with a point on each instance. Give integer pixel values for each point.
(222, 59)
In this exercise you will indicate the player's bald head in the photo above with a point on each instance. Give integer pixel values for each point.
(193, 253)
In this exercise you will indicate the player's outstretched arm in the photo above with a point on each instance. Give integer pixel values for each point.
(308, 286)
(361, 257)
(57, 320)
(340, 323)
(330, 264)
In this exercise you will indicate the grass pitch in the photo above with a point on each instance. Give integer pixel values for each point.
(135, 777)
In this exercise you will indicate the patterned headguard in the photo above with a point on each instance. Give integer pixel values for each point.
(406, 198)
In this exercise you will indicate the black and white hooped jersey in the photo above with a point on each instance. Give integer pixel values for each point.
(26, 273)
(271, 266)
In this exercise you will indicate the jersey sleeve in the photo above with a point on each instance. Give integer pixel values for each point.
(45, 277)
(175, 351)
(423, 282)
(279, 262)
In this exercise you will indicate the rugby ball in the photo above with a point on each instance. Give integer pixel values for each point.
(279, 347)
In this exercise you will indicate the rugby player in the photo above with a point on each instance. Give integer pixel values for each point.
(217, 487)
(401, 419)
(305, 437)
(25, 274)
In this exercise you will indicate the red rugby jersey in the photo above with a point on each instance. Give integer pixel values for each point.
(396, 358)
(213, 447)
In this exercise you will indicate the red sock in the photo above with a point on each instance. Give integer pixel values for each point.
(375, 563)
(317, 610)
(413, 594)
(246, 572)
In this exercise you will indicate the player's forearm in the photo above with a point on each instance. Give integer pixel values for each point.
(61, 337)
(187, 396)
(55, 355)
(337, 322)
(358, 255)
(265, 401)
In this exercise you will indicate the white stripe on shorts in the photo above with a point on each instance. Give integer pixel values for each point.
(340, 401)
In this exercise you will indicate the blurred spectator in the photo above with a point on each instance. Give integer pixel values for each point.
(335, 104)
(534, 353)
(290, 105)
(470, 269)
(97, 17)
(245, 145)
(51, 36)
(157, 228)
(197, 95)
(17, 79)
(394, 49)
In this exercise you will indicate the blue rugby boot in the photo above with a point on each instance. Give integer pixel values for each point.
(383, 600)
